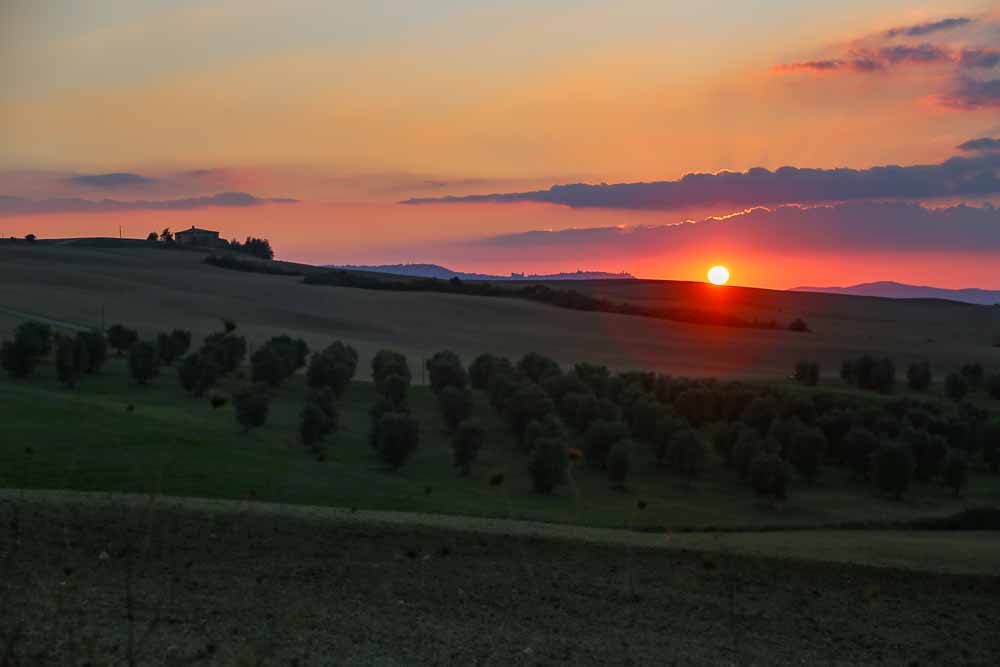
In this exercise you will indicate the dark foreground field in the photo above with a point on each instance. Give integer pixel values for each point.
(116, 582)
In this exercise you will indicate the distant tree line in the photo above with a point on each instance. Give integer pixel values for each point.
(562, 298)
(251, 266)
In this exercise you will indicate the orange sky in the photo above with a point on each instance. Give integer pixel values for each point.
(350, 107)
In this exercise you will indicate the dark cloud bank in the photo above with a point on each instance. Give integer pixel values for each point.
(928, 27)
(959, 176)
(115, 180)
(10, 206)
(852, 227)
(981, 144)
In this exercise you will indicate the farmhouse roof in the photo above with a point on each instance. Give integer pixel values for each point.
(197, 229)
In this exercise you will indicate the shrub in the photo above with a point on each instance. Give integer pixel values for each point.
(990, 437)
(502, 385)
(892, 467)
(96, 347)
(993, 386)
(956, 471)
(956, 386)
(225, 349)
(799, 324)
(572, 404)
(608, 410)
(667, 424)
(548, 465)
(173, 345)
(928, 452)
(859, 446)
(456, 405)
(973, 374)
(619, 463)
(867, 372)
(71, 360)
(807, 373)
(748, 446)
(600, 438)
(835, 425)
(759, 414)
(688, 453)
(268, 366)
(724, 437)
(642, 418)
(919, 376)
(445, 369)
(397, 438)
(537, 367)
(334, 367)
(17, 359)
(143, 363)
(558, 386)
(807, 447)
(466, 443)
(319, 417)
(782, 431)
(36, 337)
(697, 405)
(278, 359)
(594, 376)
(481, 371)
(527, 402)
(313, 426)
(122, 338)
(386, 363)
(547, 427)
(198, 373)
(252, 404)
(769, 476)
(394, 389)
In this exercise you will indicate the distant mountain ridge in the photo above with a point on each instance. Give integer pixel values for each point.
(443, 273)
(894, 290)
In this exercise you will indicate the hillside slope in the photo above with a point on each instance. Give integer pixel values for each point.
(894, 290)
(154, 289)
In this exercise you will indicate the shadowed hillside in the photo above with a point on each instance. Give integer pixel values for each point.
(154, 289)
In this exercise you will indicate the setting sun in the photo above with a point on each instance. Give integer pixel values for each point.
(718, 275)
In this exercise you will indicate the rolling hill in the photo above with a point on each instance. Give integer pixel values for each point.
(894, 290)
(155, 289)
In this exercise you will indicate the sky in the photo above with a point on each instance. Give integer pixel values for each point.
(795, 142)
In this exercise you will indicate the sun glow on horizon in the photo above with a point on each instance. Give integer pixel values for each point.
(718, 275)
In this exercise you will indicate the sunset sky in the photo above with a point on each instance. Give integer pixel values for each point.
(331, 115)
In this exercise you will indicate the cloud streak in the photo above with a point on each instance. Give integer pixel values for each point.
(881, 54)
(981, 58)
(959, 176)
(920, 29)
(114, 180)
(853, 227)
(15, 206)
(973, 94)
(980, 144)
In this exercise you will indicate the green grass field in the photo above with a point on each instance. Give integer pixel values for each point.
(175, 444)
